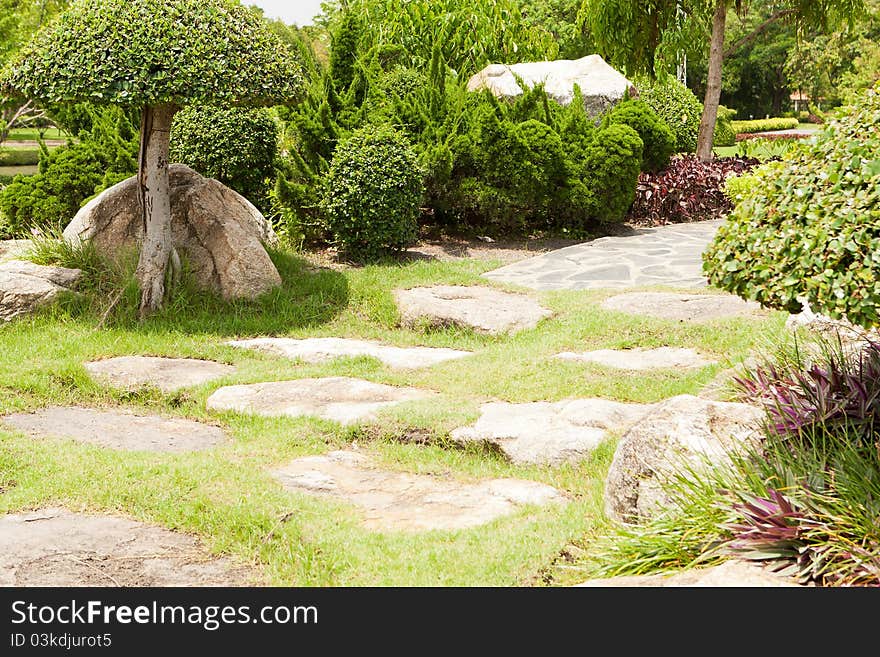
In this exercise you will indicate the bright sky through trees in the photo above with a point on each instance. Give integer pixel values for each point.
(300, 12)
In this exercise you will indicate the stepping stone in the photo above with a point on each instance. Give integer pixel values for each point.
(544, 433)
(480, 308)
(640, 359)
(24, 286)
(166, 374)
(399, 501)
(118, 429)
(336, 398)
(55, 547)
(729, 574)
(683, 307)
(315, 350)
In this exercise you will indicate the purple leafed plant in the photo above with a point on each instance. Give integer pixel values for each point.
(687, 190)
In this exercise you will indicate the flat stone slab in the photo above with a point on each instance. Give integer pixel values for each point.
(666, 255)
(640, 359)
(480, 308)
(55, 547)
(166, 374)
(315, 350)
(10, 249)
(338, 398)
(400, 501)
(683, 307)
(728, 574)
(118, 429)
(547, 433)
(24, 286)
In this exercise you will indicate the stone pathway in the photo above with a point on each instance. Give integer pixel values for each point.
(544, 433)
(54, 547)
(399, 501)
(640, 359)
(666, 255)
(118, 429)
(166, 374)
(337, 398)
(480, 308)
(316, 350)
(683, 307)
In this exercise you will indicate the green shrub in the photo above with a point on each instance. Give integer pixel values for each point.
(69, 175)
(373, 193)
(613, 160)
(808, 226)
(19, 157)
(724, 135)
(764, 125)
(237, 146)
(678, 107)
(657, 137)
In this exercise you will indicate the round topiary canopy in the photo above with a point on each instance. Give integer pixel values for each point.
(156, 52)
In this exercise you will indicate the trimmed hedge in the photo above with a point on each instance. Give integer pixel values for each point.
(764, 125)
(657, 137)
(724, 135)
(19, 157)
(808, 226)
(678, 107)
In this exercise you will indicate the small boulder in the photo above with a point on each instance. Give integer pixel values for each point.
(218, 231)
(24, 286)
(682, 432)
(601, 85)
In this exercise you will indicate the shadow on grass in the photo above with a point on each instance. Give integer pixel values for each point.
(307, 297)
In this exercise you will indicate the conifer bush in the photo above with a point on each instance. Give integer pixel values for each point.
(657, 137)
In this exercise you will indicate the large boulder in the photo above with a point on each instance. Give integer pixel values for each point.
(680, 437)
(601, 85)
(217, 231)
(24, 286)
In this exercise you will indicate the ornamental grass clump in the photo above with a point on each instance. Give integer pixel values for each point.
(159, 56)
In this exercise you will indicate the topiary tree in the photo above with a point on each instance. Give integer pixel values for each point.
(657, 137)
(808, 226)
(158, 55)
(678, 106)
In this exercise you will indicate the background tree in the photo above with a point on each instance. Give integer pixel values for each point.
(158, 55)
(649, 36)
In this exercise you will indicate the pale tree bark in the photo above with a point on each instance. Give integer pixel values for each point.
(155, 197)
(713, 83)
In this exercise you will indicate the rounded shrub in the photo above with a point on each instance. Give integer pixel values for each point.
(238, 146)
(725, 134)
(678, 107)
(373, 192)
(613, 161)
(808, 226)
(658, 139)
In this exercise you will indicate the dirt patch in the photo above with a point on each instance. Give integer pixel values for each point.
(55, 547)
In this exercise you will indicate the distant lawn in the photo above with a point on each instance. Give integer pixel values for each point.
(30, 134)
(19, 157)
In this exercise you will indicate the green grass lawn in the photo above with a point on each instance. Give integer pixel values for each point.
(30, 134)
(227, 498)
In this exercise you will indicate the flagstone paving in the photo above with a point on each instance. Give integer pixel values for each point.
(55, 547)
(167, 374)
(316, 350)
(401, 501)
(640, 359)
(666, 255)
(338, 398)
(683, 307)
(119, 430)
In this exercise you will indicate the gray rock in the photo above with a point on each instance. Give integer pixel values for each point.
(401, 501)
(831, 329)
(728, 574)
(11, 249)
(167, 374)
(683, 307)
(640, 359)
(24, 286)
(683, 433)
(219, 232)
(118, 430)
(338, 398)
(480, 308)
(600, 84)
(58, 548)
(316, 350)
(550, 434)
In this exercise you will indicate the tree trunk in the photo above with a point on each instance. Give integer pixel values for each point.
(713, 84)
(155, 198)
